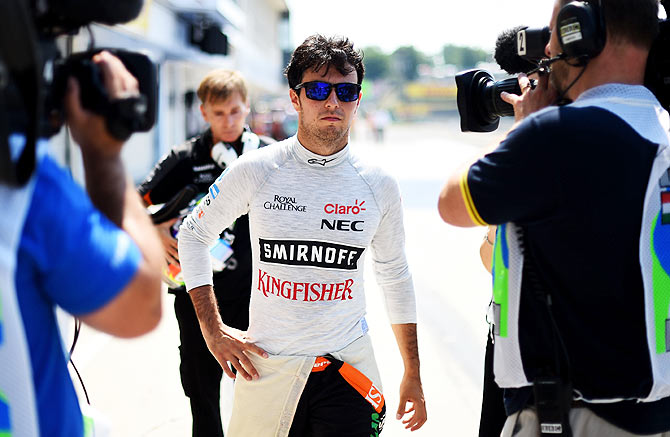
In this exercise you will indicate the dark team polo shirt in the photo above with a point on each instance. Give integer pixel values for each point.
(574, 180)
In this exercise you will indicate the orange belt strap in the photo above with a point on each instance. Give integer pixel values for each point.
(363, 386)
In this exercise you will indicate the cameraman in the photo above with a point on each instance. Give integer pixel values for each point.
(98, 257)
(567, 189)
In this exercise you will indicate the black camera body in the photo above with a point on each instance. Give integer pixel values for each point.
(124, 116)
(582, 36)
(34, 75)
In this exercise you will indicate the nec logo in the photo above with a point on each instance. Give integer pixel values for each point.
(342, 225)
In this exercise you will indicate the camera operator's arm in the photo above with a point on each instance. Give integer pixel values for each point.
(455, 203)
(507, 184)
(486, 248)
(136, 309)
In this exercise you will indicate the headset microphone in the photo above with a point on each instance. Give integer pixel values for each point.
(224, 154)
(545, 64)
(550, 61)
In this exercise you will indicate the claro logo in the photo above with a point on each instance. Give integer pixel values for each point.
(336, 208)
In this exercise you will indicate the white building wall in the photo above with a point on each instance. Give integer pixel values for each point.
(162, 31)
(257, 51)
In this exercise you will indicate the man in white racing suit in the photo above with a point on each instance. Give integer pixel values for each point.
(314, 210)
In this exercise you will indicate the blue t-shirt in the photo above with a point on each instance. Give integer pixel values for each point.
(574, 180)
(70, 255)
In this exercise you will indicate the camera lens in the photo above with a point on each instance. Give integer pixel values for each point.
(479, 103)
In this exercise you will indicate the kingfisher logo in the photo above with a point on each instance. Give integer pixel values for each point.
(284, 203)
(336, 208)
(305, 291)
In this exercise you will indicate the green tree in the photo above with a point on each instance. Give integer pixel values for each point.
(463, 57)
(376, 63)
(405, 62)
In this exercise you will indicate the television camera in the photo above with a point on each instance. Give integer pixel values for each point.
(34, 74)
(521, 50)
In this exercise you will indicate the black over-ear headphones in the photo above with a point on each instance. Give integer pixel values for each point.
(581, 30)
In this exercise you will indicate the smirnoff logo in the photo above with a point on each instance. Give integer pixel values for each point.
(310, 253)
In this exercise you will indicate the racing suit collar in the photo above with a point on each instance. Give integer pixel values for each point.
(319, 161)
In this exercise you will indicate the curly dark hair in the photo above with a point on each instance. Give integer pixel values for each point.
(318, 51)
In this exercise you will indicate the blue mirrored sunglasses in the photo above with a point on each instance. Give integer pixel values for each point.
(317, 90)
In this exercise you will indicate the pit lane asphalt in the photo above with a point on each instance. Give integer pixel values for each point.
(135, 383)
